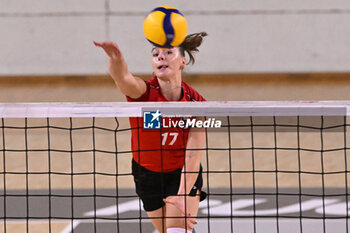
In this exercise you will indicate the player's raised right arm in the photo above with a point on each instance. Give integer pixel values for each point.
(128, 84)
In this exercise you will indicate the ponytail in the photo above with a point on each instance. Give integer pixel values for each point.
(191, 44)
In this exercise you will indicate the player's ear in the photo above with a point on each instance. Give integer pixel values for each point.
(183, 63)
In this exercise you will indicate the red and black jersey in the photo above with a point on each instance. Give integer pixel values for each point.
(160, 150)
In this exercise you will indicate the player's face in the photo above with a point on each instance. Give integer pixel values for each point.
(167, 62)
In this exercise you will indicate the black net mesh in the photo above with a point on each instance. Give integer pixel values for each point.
(261, 174)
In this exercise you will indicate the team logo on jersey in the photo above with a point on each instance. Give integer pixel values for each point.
(151, 120)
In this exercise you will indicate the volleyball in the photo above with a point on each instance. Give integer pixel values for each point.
(165, 27)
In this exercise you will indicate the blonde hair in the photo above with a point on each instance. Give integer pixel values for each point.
(191, 44)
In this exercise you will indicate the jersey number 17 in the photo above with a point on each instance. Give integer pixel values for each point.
(173, 139)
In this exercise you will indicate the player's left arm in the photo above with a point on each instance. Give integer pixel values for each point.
(194, 149)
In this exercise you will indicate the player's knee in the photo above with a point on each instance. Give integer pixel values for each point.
(178, 230)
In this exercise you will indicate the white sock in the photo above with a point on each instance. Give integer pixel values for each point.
(177, 230)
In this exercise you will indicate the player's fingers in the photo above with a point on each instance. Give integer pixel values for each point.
(109, 47)
(190, 219)
(97, 43)
(191, 223)
(104, 47)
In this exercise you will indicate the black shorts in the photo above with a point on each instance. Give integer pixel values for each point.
(152, 187)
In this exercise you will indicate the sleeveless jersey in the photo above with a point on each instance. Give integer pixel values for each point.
(160, 150)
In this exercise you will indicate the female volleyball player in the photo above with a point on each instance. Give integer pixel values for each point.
(166, 163)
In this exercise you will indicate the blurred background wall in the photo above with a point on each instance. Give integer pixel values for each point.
(256, 50)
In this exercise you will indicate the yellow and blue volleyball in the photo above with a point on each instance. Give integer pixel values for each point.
(165, 27)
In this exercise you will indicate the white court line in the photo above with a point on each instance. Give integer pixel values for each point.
(71, 226)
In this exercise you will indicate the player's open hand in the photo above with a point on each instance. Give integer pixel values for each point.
(116, 65)
(179, 202)
(110, 48)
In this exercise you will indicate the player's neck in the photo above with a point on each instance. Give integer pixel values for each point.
(171, 89)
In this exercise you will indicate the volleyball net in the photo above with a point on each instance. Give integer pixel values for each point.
(267, 166)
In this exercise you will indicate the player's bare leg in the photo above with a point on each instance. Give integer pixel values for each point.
(157, 219)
